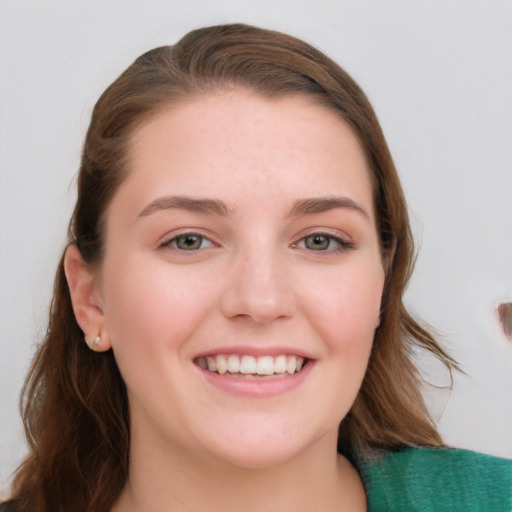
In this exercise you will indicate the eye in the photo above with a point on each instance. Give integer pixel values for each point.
(188, 242)
(317, 242)
(323, 242)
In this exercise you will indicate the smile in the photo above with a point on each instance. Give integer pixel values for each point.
(248, 365)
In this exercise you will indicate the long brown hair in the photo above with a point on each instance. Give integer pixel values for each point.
(74, 404)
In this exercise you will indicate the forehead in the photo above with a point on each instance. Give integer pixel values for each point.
(235, 143)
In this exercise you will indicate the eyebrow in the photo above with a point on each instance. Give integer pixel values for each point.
(191, 204)
(323, 204)
(308, 206)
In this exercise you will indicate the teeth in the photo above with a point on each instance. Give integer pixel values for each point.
(211, 364)
(250, 365)
(265, 365)
(233, 364)
(291, 364)
(222, 364)
(280, 364)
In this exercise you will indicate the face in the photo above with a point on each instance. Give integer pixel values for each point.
(242, 278)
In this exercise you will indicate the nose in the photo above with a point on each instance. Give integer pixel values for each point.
(260, 289)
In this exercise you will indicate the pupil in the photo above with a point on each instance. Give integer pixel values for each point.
(189, 242)
(317, 242)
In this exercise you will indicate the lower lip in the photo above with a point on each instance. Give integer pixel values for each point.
(255, 387)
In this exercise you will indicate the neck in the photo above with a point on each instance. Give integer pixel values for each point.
(317, 479)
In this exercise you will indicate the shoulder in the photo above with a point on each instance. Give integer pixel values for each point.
(437, 480)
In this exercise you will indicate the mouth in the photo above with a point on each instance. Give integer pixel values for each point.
(251, 367)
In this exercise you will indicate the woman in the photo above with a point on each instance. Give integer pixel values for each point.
(227, 328)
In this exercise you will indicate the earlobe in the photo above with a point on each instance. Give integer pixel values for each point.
(85, 300)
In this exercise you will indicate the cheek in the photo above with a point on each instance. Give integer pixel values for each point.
(154, 305)
(347, 310)
(345, 315)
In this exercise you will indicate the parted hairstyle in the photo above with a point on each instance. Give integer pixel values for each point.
(74, 402)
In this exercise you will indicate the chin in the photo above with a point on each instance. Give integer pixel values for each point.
(258, 447)
(260, 460)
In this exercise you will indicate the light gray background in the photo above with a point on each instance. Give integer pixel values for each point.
(439, 74)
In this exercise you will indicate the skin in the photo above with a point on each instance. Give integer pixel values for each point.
(257, 284)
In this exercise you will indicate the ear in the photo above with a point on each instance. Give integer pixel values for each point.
(388, 255)
(86, 299)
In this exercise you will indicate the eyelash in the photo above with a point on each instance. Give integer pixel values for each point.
(171, 243)
(341, 244)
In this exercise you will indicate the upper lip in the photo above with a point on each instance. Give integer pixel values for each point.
(256, 351)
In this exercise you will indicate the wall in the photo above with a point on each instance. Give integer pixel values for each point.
(439, 74)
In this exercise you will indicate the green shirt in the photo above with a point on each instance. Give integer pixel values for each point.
(437, 480)
(430, 480)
